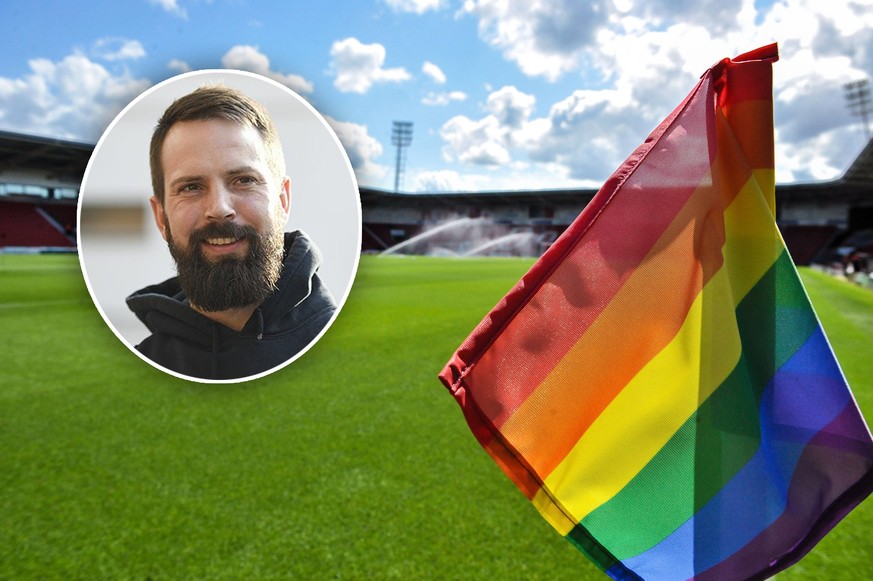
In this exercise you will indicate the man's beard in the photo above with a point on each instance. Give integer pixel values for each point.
(228, 282)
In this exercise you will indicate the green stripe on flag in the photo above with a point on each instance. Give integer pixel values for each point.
(723, 434)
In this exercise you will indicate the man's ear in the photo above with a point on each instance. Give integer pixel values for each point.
(285, 196)
(159, 216)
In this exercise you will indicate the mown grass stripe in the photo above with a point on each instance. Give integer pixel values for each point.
(40, 304)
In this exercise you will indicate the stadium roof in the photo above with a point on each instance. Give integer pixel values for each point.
(64, 160)
(860, 174)
(853, 187)
(492, 198)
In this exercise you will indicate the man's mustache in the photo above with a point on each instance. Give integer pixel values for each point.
(222, 230)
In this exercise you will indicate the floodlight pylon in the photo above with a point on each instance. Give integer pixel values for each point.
(401, 137)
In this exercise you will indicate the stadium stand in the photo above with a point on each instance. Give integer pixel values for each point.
(817, 219)
(39, 186)
(25, 223)
(64, 215)
(806, 242)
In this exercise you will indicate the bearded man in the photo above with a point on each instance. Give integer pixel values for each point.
(247, 296)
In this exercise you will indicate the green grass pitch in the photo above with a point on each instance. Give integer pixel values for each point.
(352, 463)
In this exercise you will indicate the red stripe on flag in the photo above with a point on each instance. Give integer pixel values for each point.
(610, 252)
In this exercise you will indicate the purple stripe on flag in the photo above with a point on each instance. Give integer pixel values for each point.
(817, 500)
(804, 396)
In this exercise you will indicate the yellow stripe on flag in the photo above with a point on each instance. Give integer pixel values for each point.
(671, 387)
(655, 404)
(682, 259)
(554, 515)
(753, 244)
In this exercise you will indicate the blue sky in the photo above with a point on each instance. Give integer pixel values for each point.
(504, 94)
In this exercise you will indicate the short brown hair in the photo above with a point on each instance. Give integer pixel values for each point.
(215, 102)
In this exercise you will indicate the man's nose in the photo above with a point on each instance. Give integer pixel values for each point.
(220, 204)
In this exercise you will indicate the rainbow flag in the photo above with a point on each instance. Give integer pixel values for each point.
(658, 384)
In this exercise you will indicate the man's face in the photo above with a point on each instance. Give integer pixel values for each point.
(223, 214)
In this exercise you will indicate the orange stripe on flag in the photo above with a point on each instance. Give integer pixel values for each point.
(655, 302)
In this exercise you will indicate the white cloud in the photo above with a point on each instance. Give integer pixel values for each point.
(114, 49)
(805, 83)
(658, 67)
(550, 38)
(717, 16)
(469, 141)
(589, 133)
(440, 99)
(516, 176)
(822, 46)
(249, 58)
(543, 38)
(583, 138)
(171, 6)
(510, 106)
(822, 157)
(179, 65)
(636, 61)
(361, 148)
(488, 141)
(434, 72)
(358, 66)
(444, 181)
(623, 6)
(74, 98)
(415, 6)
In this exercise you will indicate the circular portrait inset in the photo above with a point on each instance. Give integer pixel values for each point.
(219, 226)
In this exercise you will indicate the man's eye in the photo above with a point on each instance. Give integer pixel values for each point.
(189, 188)
(247, 180)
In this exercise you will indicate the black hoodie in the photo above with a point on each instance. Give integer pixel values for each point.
(194, 345)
